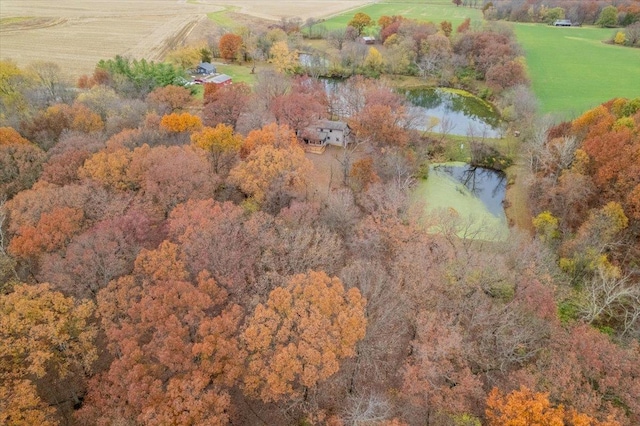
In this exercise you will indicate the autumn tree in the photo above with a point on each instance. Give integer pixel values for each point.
(175, 345)
(53, 232)
(298, 337)
(360, 21)
(230, 46)
(220, 238)
(284, 60)
(226, 104)
(278, 136)
(522, 407)
(437, 377)
(43, 335)
(221, 144)
(298, 110)
(183, 122)
(168, 99)
(185, 58)
(20, 165)
(9, 136)
(102, 253)
(269, 171)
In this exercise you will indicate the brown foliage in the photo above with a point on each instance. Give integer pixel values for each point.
(175, 344)
(168, 99)
(20, 167)
(226, 104)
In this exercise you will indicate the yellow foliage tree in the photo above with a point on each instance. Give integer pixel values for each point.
(546, 226)
(374, 61)
(299, 336)
(109, 168)
(620, 38)
(283, 59)
(220, 142)
(41, 332)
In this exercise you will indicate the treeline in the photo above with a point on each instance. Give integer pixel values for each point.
(602, 13)
(165, 266)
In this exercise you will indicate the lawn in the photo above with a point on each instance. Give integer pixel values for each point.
(239, 73)
(572, 70)
(434, 11)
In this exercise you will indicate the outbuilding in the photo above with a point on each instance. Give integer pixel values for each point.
(205, 68)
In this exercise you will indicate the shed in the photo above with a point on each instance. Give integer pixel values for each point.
(221, 80)
(368, 39)
(205, 68)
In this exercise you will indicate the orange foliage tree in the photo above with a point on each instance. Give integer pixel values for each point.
(230, 46)
(52, 232)
(279, 136)
(183, 122)
(298, 337)
(524, 407)
(269, 170)
(175, 346)
(9, 136)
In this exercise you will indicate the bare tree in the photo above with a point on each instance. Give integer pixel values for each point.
(611, 297)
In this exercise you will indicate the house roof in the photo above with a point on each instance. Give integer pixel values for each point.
(218, 79)
(333, 125)
(207, 66)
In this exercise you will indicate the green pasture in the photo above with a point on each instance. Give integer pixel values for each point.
(572, 70)
(241, 73)
(435, 11)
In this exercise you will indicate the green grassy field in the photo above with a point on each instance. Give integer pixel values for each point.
(572, 70)
(435, 11)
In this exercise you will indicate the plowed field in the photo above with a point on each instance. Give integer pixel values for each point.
(78, 33)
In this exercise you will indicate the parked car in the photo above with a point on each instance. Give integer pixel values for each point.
(562, 23)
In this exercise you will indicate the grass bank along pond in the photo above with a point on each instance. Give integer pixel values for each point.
(466, 198)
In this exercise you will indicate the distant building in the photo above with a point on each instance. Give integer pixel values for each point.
(562, 23)
(367, 40)
(220, 80)
(205, 68)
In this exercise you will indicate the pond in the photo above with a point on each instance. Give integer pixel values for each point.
(439, 110)
(454, 112)
(469, 197)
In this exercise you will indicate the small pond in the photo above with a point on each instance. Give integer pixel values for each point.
(454, 112)
(474, 195)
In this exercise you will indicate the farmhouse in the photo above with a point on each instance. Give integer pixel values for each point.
(326, 132)
(205, 68)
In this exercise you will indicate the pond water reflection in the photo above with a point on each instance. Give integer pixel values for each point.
(472, 195)
(441, 110)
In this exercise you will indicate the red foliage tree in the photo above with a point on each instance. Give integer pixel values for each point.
(225, 104)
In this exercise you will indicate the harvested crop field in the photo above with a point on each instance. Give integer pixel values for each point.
(77, 33)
